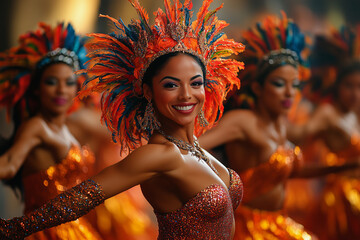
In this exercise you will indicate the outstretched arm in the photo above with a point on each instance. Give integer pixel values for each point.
(312, 170)
(139, 166)
(317, 123)
(28, 137)
(227, 130)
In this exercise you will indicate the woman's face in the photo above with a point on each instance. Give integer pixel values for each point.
(178, 90)
(278, 90)
(58, 87)
(349, 91)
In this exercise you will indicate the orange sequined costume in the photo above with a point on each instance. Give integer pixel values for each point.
(208, 215)
(340, 201)
(41, 187)
(259, 224)
(120, 217)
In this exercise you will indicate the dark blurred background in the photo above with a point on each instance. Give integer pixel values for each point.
(19, 16)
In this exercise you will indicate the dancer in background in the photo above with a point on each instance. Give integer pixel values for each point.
(37, 87)
(334, 127)
(156, 82)
(126, 215)
(256, 143)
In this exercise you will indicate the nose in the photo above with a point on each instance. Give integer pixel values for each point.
(61, 87)
(185, 93)
(290, 90)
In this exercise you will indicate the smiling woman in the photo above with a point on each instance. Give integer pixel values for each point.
(155, 88)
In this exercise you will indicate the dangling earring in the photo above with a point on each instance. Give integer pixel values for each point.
(149, 121)
(202, 120)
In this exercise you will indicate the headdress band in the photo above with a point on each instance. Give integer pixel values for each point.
(277, 58)
(59, 55)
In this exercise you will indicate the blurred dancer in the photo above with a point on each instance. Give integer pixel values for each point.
(334, 127)
(157, 82)
(256, 143)
(37, 86)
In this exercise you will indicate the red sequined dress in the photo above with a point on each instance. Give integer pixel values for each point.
(268, 225)
(41, 187)
(340, 201)
(208, 215)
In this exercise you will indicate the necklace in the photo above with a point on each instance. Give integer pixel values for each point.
(194, 150)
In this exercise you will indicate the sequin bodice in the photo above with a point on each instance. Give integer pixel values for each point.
(208, 215)
(41, 187)
(276, 170)
(349, 153)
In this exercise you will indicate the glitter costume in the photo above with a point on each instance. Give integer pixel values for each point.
(339, 205)
(41, 187)
(208, 215)
(117, 65)
(340, 201)
(252, 223)
(66, 207)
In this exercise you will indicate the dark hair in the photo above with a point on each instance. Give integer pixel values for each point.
(349, 67)
(155, 67)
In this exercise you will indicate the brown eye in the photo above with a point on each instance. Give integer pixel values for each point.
(170, 85)
(50, 81)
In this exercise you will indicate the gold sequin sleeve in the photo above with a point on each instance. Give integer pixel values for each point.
(66, 207)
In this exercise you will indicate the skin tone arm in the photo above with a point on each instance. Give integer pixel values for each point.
(311, 171)
(314, 126)
(227, 130)
(27, 138)
(139, 166)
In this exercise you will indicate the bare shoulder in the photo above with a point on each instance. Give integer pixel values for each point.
(34, 126)
(159, 157)
(242, 118)
(325, 110)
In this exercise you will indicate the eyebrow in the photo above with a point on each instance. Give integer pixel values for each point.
(177, 79)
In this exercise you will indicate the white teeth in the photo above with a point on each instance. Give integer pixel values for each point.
(184, 108)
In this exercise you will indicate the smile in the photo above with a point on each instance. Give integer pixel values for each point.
(184, 108)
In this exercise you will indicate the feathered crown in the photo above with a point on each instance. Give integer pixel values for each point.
(331, 52)
(272, 43)
(119, 60)
(35, 51)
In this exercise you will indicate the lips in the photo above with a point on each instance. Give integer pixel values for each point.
(184, 108)
(286, 103)
(60, 101)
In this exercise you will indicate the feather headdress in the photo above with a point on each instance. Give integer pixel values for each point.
(271, 43)
(329, 54)
(35, 51)
(119, 60)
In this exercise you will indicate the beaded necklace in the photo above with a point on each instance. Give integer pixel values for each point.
(194, 150)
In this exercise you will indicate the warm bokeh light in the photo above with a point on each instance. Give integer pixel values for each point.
(81, 13)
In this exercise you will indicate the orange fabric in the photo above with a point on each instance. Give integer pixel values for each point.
(256, 224)
(120, 217)
(340, 200)
(278, 169)
(40, 187)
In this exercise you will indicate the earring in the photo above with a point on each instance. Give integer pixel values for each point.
(149, 121)
(202, 120)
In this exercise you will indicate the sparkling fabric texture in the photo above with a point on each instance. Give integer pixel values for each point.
(257, 224)
(66, 207)
(208, 215)
(260, 179)
(340, 203)
(41, 187)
